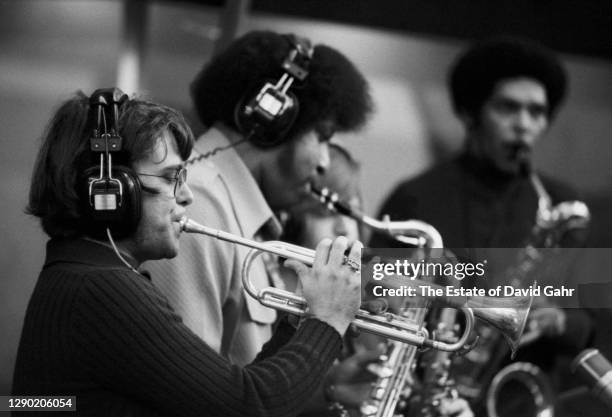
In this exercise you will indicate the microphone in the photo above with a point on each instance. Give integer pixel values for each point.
(593, 369)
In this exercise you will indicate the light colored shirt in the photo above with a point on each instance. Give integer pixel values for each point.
(203, 283)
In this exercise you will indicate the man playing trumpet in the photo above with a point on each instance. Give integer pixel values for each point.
(110, 189)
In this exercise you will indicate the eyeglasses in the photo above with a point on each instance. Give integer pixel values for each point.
(179, 179)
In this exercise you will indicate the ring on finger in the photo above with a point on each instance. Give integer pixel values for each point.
(353, 264)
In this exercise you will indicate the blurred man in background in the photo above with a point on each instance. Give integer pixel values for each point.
(506, 92)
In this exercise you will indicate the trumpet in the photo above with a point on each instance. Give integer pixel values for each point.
(384, 324)
(409, 232)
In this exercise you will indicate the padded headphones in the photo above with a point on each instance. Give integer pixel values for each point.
(110, 194)
(266, 117)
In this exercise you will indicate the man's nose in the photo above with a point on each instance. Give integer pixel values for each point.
(184, 195)
(523, 120)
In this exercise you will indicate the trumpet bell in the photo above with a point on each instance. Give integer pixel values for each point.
(508, 315)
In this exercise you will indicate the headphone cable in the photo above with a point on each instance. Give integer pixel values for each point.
(213, 152)
(112, 242)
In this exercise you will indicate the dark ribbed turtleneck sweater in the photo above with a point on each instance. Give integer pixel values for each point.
(98, 330)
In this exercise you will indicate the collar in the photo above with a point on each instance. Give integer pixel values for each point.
(85, 252)
(252, 210)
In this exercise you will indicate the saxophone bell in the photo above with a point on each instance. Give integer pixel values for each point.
(536, 394)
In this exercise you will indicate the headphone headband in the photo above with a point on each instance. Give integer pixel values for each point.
(297, 62)
(105, 137)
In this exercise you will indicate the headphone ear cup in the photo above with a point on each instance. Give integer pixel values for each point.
(132, 192)
(125, 217)
(262, 132)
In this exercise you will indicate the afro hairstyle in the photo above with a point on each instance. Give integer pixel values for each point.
(476, 72)
(334, 89)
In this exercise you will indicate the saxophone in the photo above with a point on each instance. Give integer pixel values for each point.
(394, 371)
(389, 394)
(552, 224)
(437, 383)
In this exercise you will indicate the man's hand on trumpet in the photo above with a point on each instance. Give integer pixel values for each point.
(332, 287)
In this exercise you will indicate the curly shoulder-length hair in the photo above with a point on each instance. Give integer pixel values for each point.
(334, 89)
(65, 154)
